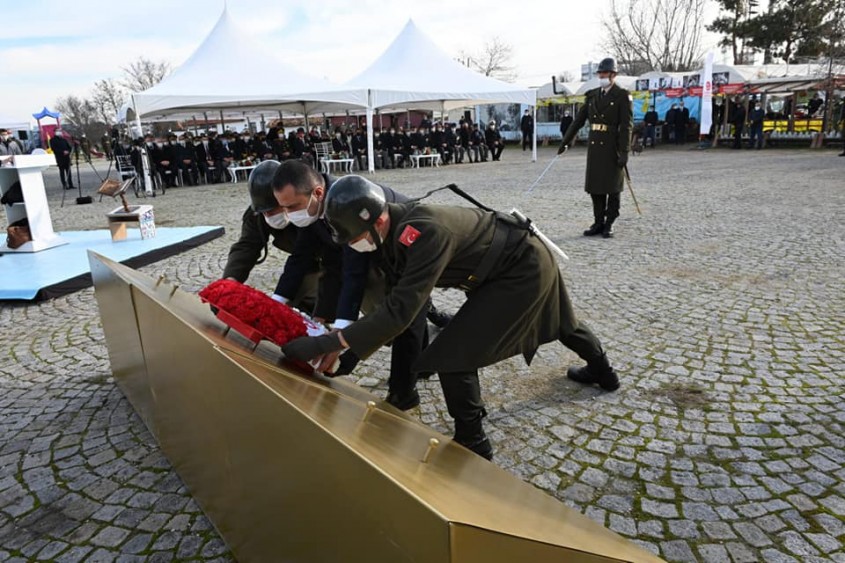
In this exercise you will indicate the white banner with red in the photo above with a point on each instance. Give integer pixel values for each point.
(707, 95)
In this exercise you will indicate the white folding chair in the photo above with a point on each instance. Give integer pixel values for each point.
(324, 151)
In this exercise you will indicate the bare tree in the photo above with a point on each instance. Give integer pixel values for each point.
(493, 60)
(143, 74)
(655, 34)
(107, 97)
(79, 115)
(566, 76)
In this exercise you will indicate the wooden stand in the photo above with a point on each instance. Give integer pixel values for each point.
(27, 170)
(120, 218)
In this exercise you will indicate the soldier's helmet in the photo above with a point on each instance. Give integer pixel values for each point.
(261, 186)
(607, 65)
(353, 204)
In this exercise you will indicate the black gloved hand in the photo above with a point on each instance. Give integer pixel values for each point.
(309, 347)
(348, 361)
(563, 148)
(622, 159)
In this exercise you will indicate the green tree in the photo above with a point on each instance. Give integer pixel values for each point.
(733, 23)
(792, 29)
(787, 31)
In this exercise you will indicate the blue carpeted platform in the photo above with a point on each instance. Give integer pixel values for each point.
(64, 269)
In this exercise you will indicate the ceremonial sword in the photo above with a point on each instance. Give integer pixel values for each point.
(631, 188)
(537, 181)
(532, 228)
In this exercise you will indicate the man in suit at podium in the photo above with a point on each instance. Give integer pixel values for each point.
(61, 150)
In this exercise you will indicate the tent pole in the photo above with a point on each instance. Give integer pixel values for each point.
(371, 161)
(263, 123)
(534, 136)
(442, 112)
(145, 163)
(305, 115)
(222, 123)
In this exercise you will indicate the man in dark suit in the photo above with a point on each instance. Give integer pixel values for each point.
(565, 122)
(359, 148)
(526, 125)
(681, 121)
(610, 112)
(346, 284)
(61, 150)
(650, 120)
(737, 118)
(494, 141)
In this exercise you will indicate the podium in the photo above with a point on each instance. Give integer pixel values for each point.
(27, 170)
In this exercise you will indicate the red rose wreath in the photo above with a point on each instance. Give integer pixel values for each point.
(237, 302)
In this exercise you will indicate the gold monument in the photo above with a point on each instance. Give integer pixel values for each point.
(294, 467)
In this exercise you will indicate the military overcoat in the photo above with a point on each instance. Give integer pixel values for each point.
(520, 305)
(611, 119)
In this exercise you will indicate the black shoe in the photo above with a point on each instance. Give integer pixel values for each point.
(403, 401)
(481, 447)
(470, 434)
(425, 375)
(842, 153)
(437, 317)
(596, 372)
(594, 230)
(607, 231)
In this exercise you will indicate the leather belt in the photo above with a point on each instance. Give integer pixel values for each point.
(500, 237)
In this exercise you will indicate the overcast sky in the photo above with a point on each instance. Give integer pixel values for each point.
(51, 48)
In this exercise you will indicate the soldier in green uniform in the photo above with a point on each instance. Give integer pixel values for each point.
(609, 111)
(516, 299)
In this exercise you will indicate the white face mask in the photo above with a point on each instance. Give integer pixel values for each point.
(604, 82)
(277, 221)
(302, 218)
(363, 245)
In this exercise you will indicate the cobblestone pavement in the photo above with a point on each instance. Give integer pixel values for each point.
(723, 308)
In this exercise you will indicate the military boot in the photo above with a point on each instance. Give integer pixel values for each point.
(607, 230)
(595, 229)
(598, 371)
(470, 434)
(403, 400)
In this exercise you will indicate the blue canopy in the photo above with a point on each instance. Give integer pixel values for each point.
(46, 113)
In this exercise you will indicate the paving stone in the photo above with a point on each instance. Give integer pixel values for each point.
(686, 529)
(713, 553)
(661, 509)
(677, 550)
(752, 534)
(718, 530)
(110, 536)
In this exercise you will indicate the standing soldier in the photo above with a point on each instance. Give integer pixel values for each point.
(608, 109)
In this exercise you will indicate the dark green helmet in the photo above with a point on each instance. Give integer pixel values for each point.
(607, 65)
(353, 204)
(261, 186)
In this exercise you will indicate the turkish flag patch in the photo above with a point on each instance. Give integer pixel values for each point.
(409, 236)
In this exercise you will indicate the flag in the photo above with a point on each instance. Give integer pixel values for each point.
(707, 95)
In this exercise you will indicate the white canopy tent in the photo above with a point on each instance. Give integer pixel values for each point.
(229, 70)
(414, 73)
